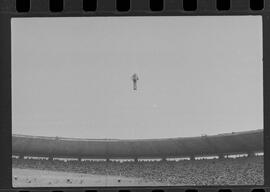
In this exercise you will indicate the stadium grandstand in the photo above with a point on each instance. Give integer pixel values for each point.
(224, 159)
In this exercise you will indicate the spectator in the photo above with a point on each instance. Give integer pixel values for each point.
(239, 171)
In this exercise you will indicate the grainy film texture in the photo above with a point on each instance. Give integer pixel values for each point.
(137, 101)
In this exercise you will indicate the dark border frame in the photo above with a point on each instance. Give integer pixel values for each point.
(73, 8)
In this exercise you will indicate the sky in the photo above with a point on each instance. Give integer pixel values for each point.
(71, 77)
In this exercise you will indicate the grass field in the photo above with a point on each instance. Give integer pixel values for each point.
(43, 178)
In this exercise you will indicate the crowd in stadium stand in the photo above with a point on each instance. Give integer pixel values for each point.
(228, 171)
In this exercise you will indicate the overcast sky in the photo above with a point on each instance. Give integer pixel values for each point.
(71, 77)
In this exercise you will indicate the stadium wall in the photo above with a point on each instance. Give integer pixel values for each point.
(222, 144)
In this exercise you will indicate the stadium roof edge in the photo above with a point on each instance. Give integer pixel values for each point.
(157, 139)
(229, 143)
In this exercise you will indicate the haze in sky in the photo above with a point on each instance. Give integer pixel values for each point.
(71, 77)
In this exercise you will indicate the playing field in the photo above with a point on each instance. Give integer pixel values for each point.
(43, 178)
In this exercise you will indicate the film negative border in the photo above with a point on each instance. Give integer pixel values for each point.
(131, 7)
(65, 8)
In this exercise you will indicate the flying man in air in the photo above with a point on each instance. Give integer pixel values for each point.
(134, 78)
